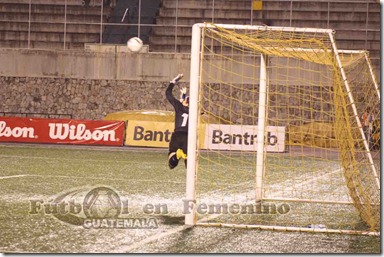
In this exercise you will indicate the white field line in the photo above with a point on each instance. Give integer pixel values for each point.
(306, 182)
(316, 178)
(14, 176)
(102, 178)
(106, 178)
(71, 159)
(85, 147)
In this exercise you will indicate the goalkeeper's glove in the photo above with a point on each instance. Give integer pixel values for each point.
(177, 78)
(183, 94)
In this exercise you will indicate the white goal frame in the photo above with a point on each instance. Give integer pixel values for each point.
(195, 69)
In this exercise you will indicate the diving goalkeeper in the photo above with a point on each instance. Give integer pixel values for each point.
(179, 139)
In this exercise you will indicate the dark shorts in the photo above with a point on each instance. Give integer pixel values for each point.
(179, 140)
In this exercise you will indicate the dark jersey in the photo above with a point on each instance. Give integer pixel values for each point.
(181, 111)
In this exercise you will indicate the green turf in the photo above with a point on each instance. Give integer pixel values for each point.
(30, 172)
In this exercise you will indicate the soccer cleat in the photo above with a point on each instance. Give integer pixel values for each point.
(180, 154)
(172, 160)
(177, 78)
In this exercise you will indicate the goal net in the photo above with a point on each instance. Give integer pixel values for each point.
(290, 151)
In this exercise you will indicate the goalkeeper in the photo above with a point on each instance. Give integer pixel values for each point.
(179, 139)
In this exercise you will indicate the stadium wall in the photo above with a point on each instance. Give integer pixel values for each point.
(92, 64)
(87, 85)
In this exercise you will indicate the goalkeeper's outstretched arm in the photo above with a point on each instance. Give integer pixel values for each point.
(168, 92)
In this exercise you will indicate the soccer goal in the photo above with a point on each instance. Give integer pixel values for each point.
(290, 152)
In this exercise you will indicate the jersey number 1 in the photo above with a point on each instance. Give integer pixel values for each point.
(185, 119)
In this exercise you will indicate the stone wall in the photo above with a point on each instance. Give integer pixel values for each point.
(94, 99)
(83, 99)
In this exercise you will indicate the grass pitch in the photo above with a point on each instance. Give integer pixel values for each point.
(141, 176)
